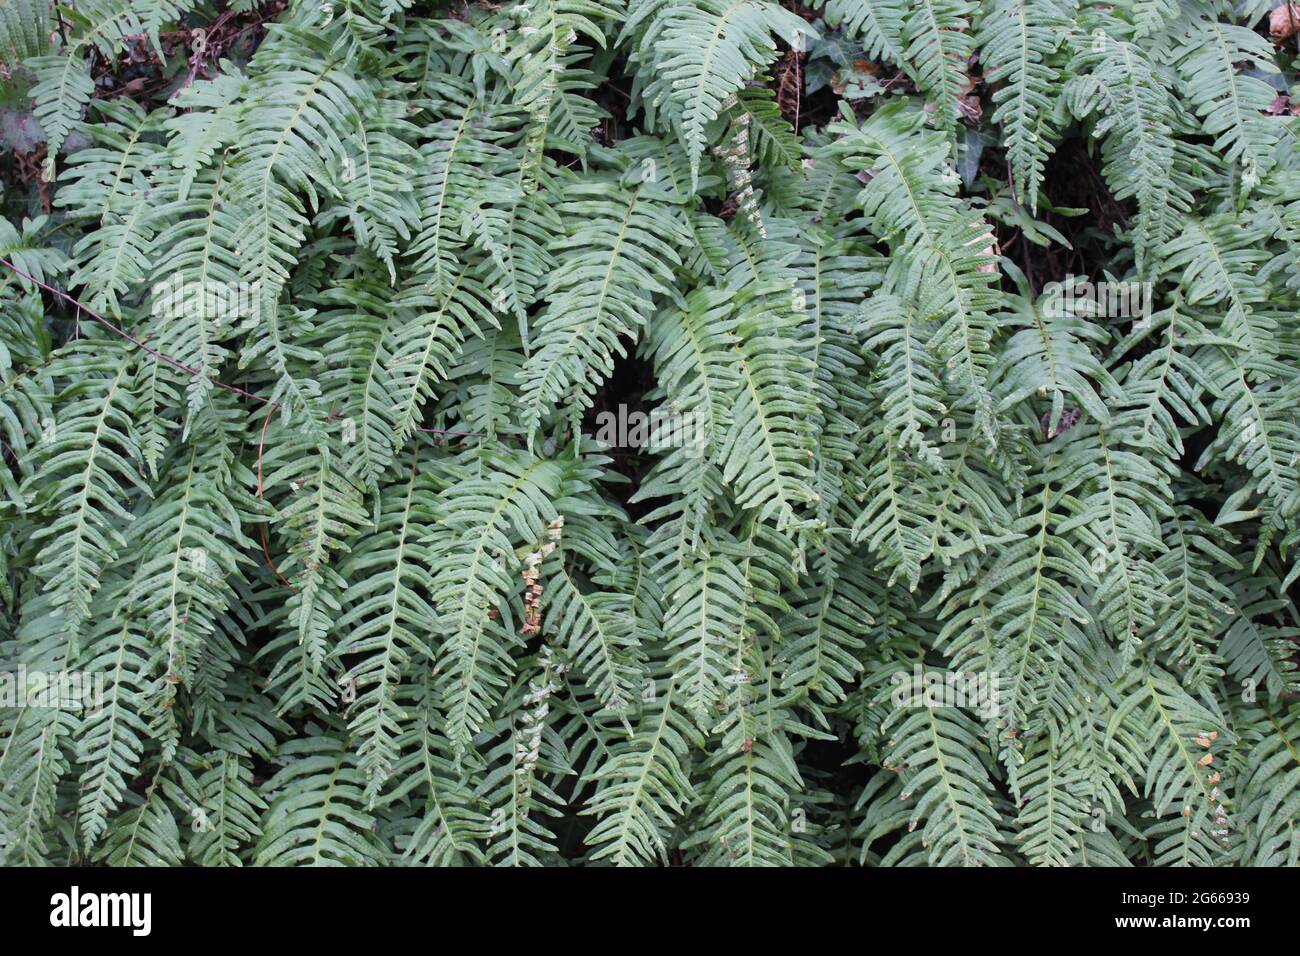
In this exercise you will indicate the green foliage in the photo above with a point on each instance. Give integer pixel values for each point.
(975, 542)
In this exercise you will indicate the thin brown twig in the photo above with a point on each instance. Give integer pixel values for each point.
(180, 366)
(82, 307)
(261, 528)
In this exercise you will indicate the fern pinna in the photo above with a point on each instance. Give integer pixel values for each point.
(956, 515)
